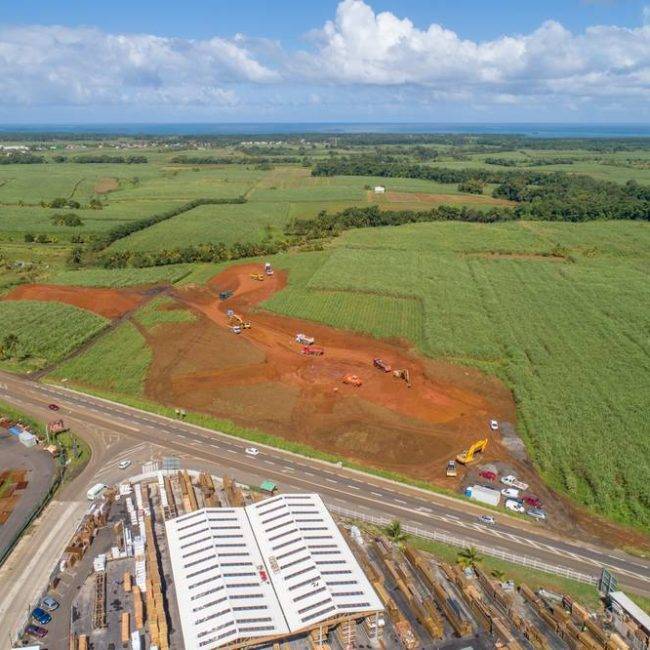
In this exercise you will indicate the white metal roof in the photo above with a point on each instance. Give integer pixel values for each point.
(270, 569)
(631, 608)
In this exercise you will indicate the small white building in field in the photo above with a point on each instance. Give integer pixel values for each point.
(380, 189)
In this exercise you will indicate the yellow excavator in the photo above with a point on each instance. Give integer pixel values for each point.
(468, 455)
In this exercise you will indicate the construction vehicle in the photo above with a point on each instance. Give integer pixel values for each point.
(467, 456)
(257, 276)
(312, 351)
(382, 365)
(352, 380)
(403, 374)
(224, 295)
(235, 329)
(451, 468)
(237, 321)
(267, 269)
(304, 339)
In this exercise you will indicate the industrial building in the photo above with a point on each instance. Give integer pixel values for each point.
(266, 571)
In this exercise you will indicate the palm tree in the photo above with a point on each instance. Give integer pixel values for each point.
(469, 557)
(395, 533)
(498, 574)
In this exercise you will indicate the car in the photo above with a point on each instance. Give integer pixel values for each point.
(515, 506)
(35, 630)
(53, 407)
(512, 493)
(49, 603)
(124, 464)
(487, 519)
(252, 451)
(41, 616)
(532, 501)
(536, 513)
(490, 476)
(494, 425)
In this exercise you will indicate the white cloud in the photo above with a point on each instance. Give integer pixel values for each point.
(359, 56)
(61, 65)
(363, 47)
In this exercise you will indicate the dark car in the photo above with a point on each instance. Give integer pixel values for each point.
(41, 616)
(532, 501)
(53, 407)
(34, 630)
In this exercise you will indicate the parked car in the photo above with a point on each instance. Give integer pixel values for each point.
(487, 519)
(494, 425)
(486, 473)
(536, 513)
(513, 481)
(512, 493)
(532, 501)
(252, 451)
(35, 630)
(41, 616)
(515, 506)
(53, 407)
(124, 464)
(49, 603)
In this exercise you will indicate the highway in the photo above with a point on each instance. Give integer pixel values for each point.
(339, 487)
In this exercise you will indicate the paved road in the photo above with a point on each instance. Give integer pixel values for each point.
(338, 486)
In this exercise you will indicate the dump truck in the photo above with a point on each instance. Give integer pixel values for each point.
(312, 350)
(467, 456)
(303, 339)
(382, 365)
(257, 276)
(352, 380)
(268, 269)
(451, 468)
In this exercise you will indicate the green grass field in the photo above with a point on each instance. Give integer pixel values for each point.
(46, 331)
(569, 337)
(118, 362)
(122, 277)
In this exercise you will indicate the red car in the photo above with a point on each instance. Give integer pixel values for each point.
(53, 407)
(35, 630)
(490, 476)
(532, 501)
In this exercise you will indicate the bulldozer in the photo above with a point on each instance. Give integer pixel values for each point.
(257, 276)
(466, 457)
(404, 374)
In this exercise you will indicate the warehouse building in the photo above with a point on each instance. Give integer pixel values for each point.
(274, 569)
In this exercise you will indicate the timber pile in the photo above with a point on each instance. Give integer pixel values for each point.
(156, 616)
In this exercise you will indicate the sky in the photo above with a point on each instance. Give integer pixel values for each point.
(324, 60)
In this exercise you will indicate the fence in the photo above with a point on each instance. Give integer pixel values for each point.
(452, 540)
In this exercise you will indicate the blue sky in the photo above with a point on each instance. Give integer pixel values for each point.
(353, 60)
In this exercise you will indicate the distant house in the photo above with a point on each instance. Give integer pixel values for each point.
(379, 189)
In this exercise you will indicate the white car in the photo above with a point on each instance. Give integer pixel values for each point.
(494, 425)
(511, 493)
(487, 519)
(515, 506)
(124, 464)
(252, 451)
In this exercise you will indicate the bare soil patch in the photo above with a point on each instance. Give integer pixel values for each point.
(439, 199)
(106, 185)
(110, 303)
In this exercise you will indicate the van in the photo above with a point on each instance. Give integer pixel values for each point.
(95, 491)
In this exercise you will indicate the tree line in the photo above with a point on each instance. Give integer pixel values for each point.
(223, 160)
(554, 196)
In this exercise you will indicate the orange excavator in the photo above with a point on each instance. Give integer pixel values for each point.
(353, 380)
(466, 457)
